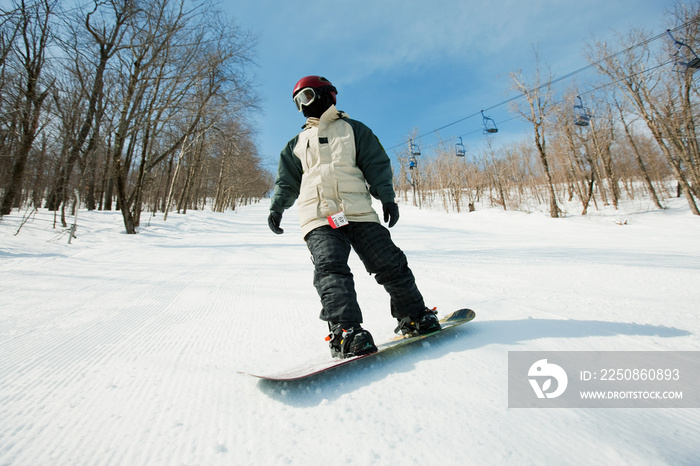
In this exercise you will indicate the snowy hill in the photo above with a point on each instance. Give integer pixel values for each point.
(121, 349)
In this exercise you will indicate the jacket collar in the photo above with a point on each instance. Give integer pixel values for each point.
(330, 115)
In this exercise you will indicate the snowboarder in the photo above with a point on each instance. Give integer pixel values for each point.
(331, 169)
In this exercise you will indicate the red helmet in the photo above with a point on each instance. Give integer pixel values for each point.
(318, 83)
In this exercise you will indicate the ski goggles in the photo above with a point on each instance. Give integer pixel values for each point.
(304, 97)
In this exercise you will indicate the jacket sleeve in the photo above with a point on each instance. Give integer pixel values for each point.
(374, 163)
(288, 182)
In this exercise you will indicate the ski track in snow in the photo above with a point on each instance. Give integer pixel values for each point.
(123, 349)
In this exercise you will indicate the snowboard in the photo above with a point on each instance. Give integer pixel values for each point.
(451, 320)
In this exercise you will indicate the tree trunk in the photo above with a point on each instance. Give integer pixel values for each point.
(640, 163)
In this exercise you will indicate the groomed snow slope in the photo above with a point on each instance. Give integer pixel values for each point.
(120, 349)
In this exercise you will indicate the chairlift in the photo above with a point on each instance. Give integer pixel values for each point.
(459, 148)
(685, 56)
(415, 150)
(582, 116)
(489, 124)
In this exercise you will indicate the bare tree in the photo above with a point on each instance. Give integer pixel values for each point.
(646, 82)
(580, 168)
(28, 53)
(646, 178)
(602, 135)
(538, 95)
(91, 48)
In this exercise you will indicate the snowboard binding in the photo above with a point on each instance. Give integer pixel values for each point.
(347, 340)
(425, 323)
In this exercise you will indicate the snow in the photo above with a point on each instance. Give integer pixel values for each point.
(126, 349)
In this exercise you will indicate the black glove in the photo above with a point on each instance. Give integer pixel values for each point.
(273, 220)
(391, 213)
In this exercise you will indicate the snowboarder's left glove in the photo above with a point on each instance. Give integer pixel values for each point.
(274, 220)
(391, 213)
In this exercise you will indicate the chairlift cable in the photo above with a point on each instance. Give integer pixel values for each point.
(554, 81)
(609, 83)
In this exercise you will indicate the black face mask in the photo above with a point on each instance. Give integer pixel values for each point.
(318, 106)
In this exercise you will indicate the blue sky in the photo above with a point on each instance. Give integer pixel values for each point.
(408, 65)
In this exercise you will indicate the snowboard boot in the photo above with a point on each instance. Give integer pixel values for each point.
(422, 324)
(349, 339)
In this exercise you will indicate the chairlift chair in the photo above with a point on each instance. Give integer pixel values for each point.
(415, 150)
(489, 124)
(685, 57)
(459, 148)
(582, 116)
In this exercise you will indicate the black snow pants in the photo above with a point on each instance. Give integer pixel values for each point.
(330, 250)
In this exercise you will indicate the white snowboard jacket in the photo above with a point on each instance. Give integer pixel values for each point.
(333, 166)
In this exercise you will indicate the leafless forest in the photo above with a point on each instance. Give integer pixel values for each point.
(631, 135)
(124, 104)
(144, 106)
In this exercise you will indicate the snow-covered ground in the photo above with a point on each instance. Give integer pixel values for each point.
(121, 349)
